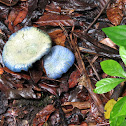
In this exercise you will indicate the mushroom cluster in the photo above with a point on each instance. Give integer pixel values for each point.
(30, 44)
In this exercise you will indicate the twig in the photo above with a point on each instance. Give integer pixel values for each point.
(118, 90)
(97, 17)
(88, 84)
(91, 64)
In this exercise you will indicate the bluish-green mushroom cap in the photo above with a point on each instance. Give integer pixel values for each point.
(58, 61)
(25, 47)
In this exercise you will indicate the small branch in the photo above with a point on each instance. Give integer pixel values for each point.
(97, 17)
(88, 84)
(118, 90)
(91, 64)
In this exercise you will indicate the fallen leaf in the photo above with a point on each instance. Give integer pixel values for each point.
(26, 93)
(8, 2)
(73, 80)
(21, 16)
(43, 115)
(53, 8)
(54, 20)
(18, 75)
(115, 13)
(78, 5)
(79, 105)
(108, 108)
(16, 16)
(1, 71)
(58, 37)
(36, 71)
(109, 42)
(52, 90)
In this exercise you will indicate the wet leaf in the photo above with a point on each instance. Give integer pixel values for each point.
(54, 20)
(45, 87)
(115, 13)
(77, 5)
(36, 71)
(33, 14)
(63, 86)
(58, 37)
(79, 105)
(8, 2)
(16, 16)
(4, 10)
(17, 75)
(26, 93)
(43, 115)
(3, 102)
(21, 16)
(53, 8)
(73, 80)
(4, 28)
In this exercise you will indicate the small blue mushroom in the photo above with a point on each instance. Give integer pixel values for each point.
(24, 48)
(58, 61)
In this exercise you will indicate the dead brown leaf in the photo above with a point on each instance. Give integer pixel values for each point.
(79, 105)
(54, 20)
(58, 37)
(73, 80)
(43, 115)
(115, 13)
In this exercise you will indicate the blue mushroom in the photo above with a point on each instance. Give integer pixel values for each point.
(58, 61)
(25, 47)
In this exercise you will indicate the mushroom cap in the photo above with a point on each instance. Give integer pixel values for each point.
(58, 61)
(25, 47)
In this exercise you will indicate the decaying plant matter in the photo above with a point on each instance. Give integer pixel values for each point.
(31, 97)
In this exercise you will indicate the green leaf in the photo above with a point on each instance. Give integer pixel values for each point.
(119, 108)
(122, 52)
(112, 68)
(107, 84)
(123, 123)
(117, 34)
(117, 121)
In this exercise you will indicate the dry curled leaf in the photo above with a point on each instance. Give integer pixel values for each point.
(58, 37)
(109, 42)
(50, 89)
(43, 115)
(79, 105)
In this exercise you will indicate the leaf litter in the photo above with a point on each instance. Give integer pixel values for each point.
(31, 98)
